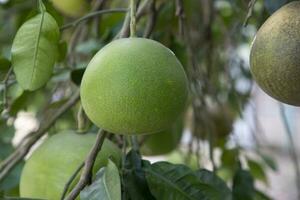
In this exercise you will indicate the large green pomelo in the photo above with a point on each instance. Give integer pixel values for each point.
(275, 55)
(50, 167)
(71, 8)
(134, 86)
(163, 142)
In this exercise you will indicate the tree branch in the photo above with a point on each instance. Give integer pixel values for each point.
(70, 181)
(10, 162)
(152, 19)
(292, 147)
(181, 16)
(86, 174)
(90, 15)
(250, 11)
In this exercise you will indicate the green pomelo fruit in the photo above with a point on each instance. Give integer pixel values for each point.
(275, 55)
(50, 167)
(163, 142)
(134, 86)
(71, 8)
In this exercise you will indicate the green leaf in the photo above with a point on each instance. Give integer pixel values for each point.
(106, 186)
(269, 161)
(6, 133)
(213, 180)
(19, 103)
(34, 51)
(171, 181)
(135, 183)
(13, 178)
(257, 171)
(243, 186)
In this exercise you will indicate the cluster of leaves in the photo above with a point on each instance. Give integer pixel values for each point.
(207, 42)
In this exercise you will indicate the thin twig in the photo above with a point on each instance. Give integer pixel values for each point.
(86, 174)
(292, 147)
(70, 181)
(124, 32)
(250, 11)
(181, 16)
(91, 15)
(124, 148)
(10, 162)
(5, 82)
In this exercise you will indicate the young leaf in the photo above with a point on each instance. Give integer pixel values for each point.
(243, 186)
(106, 186)
(257, 171)
(170, 181)
(213, 180)
(34, 51)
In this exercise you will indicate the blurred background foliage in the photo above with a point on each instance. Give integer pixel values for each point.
(208, 36)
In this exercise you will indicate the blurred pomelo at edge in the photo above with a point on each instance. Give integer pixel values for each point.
(71, 8)
(134, 86)
(50, 167)
(163, 142)
(275, 55)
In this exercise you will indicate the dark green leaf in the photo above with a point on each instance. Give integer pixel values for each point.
(4, 67)
(135, 184)
(76, 75)
(19, 103)
(106, 185)
(261, 196)
(213, 180)
(18, 198)
(169, 181)
(243, 186)
(34, 51)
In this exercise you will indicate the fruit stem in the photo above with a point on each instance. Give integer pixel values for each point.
(134, 143)
(132, 18)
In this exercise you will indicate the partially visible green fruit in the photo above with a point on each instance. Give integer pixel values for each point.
(71, 8)
(177, 157)
(134, 86)
(275, 55)
(163, 142)
(50, 167)
(220, 123)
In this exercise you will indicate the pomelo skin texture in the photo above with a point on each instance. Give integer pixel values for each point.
(50, 167)
(71, 8)
(134, 86)
(275, 55)
(163, 142)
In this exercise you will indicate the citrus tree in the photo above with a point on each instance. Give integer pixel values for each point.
(111, 82)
